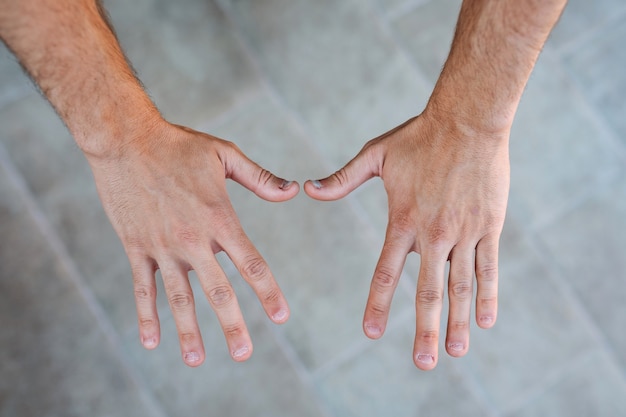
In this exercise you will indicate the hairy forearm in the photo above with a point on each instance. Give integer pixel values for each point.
(70, 51)
(494, 50)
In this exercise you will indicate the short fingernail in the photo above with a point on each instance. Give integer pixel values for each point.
(425, 358)
(192, 357)
(457, 347)
(280, 315)
(241, 352)
(286, 184)
(485, 320)
(149, 342)
(373, 330)
(316, 184)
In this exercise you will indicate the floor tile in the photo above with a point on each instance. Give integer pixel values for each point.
(347, 85)
(592, 388)
(588, 245)
(597, 67)
(558, 151)
(320, 253)
(537, 331)
(427, 34)
(54, 360)
(384, 381)
(58, 175)
(581, 17)
(13, 82)
(257, 387)
(187, 56)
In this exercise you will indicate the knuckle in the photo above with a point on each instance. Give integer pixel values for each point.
(221, 295)
(187, 337)
(487, 303)
(377, 310)
(487, 272)
(437, 233)
(461, 290)
(145, 292)
(429, 336)
(429, 297)
(342, 177)
(461, 325)
(401, 224)
(385, 277)
(264, 177)
(180, 301)
(233, 331)
(271, 296)
(147, 323)
(187, 237)
(255, 269)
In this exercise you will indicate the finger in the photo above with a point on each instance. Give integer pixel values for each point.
(257, 274)
(258, 180)
(365, 165)
(460, 292)
(180, 298)
(385, 280)
(144, 284)
(222, 297)
(428, 304)
(487, 281)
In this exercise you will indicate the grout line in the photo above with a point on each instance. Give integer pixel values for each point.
(15, 178)
(549, 381)
(572, 45)
(573, 300)
(396, 12)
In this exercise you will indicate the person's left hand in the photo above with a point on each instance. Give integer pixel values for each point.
(447, 188)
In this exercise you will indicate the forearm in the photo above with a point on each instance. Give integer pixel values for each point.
(70, 51)
(494, 50)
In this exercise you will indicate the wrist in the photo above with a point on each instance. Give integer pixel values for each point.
(115, 125)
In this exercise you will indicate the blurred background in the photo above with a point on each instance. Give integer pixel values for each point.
(300, 86)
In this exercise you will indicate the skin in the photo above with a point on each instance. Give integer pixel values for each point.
(161, 185)
(446, 173)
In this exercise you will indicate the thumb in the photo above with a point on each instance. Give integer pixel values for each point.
(260, 181)
(361, 168)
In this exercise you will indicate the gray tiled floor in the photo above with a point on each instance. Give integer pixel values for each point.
(300, 86)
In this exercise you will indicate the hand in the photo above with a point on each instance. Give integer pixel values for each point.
(165, 194)
(447, 191)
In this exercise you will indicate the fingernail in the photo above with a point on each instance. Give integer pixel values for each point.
(286, 184)
(373, 330)
(192, 357)
(425, 358)
(457, 347)
(280, 315)
(241, 352)
(485, 320)
(149, 343)
(316, 184)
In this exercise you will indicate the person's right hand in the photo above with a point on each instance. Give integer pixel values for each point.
(165, 194)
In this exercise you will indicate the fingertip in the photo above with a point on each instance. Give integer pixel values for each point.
(456, 349)
(242, 353)
(281, 316)
(150, 342)
(373, 331)
(287, 190)
(313, 188)
(193, 359)
(425, 361)
(486, 321)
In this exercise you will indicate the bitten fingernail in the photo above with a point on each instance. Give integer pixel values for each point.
(280, 315)
(457, 347)
(372, 330)
(286, 184)
(241, 352)
(149, 343)
(425, 358)
(192, 357)
(316, 184)
(486, 320)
